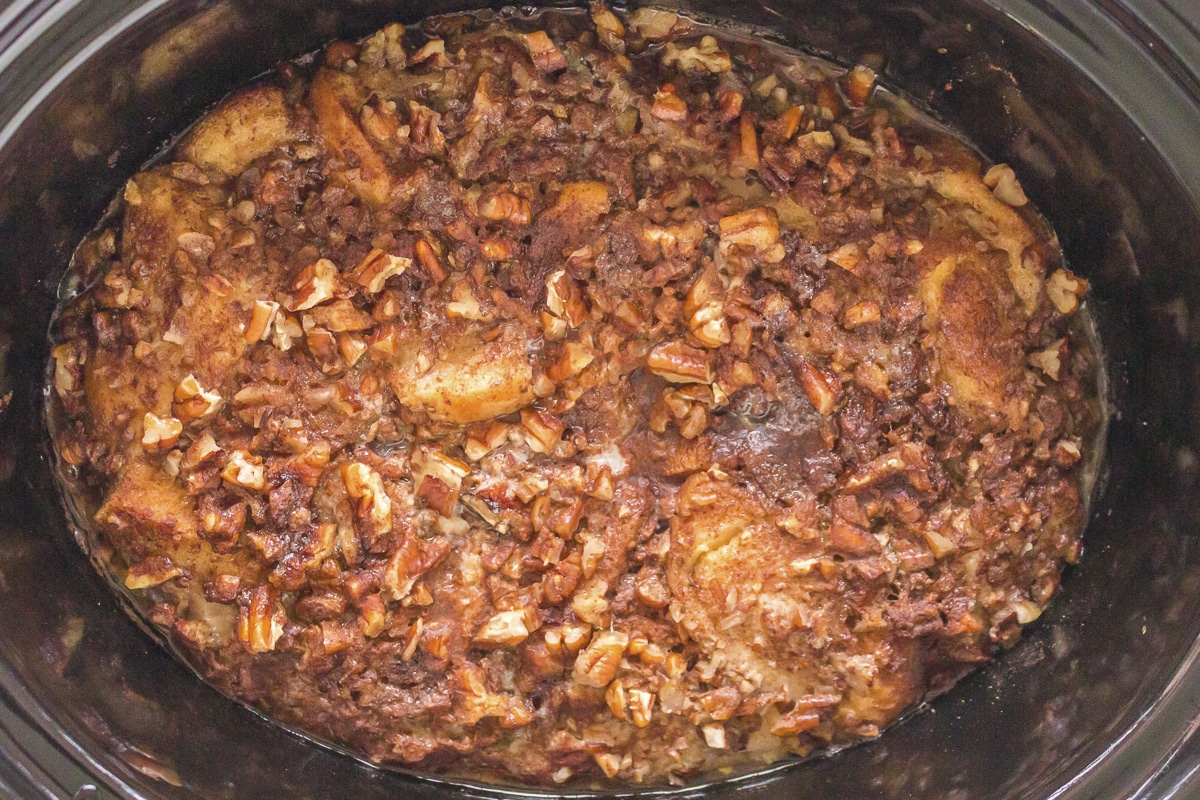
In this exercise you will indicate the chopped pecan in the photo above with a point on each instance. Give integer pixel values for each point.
(313, 285)
(673, 240)
(848, 257)
(478, 702)
(857, 84)
(245, 470)
(542, 431)
(745, 155)
(260, 621)
(482, 440)
(847, 538)
(706, 314)
(366, 486)
(573, 359)
(668, 105)
(433, 49)
(201, 451)
(597, 665)
(505, 629)
(505, 206)
(192, 402)
(730, 103)
(429, 260)
(335, 638)
(411, 560)
(199, 246)
(590, 604)
(495, 249)
(563, 298)
(375, 269)
(1064, 290)
(821, 387)
(438, 478)
(789, 121)
(707, 56)
(679, 363)
(1049, 360)
(66, 369)
(287, 330)
(322, 344)
(714, 736)
(939, 545)
(413, 639)
(1004, 184)
(546, 56)
(373, 617)
(152, 572)
(795, 721)
(351, 347)
(425, 129)
(160, 433)
(615, 699)
(262, 315)
(861, 314)
(463, 303)
(757, 229)
(641, 706)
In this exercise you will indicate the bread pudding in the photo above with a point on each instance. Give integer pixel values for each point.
(575, 396)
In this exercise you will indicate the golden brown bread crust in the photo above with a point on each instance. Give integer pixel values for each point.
(576, 396)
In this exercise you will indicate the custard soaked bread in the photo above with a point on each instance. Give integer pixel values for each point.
(576, 395)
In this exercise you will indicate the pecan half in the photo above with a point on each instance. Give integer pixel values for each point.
(679, 363)
(597, 665)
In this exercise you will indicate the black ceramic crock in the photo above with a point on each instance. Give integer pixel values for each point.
(1097, 105)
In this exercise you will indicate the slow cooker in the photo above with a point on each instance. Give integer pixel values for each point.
(1096, 103)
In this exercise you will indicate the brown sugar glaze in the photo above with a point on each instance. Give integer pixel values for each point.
(576, 396)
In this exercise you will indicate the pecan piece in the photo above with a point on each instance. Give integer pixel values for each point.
(506, 629)
(542, 431)
(463, 303)
(679, 363)
(411, 560)
(438, 478)
(151, 572)
(1064, 289)
(192, 402)
(245, 470)
(857, 84)
(546, 56)
(861, 314)
(1004, 184)
(597, 665)
(706, 56)
(573, 359)
(505, 206)
(376, 267)
(159, 433)
(821, 387)
(366, 486)
(262, 315)
(313, 285)
(757, 229)
(260, 621)
(668, 105)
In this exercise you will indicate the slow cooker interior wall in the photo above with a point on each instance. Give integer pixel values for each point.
(1021, 728)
